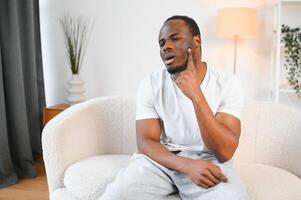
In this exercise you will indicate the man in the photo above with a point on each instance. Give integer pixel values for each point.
(187, 124)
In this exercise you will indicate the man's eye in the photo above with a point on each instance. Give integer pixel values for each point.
(175, 38)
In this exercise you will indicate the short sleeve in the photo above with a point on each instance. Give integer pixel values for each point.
(232, 100)
(145, 108)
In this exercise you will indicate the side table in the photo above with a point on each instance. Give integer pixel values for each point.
(52, 111)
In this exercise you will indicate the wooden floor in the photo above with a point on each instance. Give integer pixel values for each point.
(28, 189)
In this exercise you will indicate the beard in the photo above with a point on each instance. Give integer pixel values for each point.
(178, 68)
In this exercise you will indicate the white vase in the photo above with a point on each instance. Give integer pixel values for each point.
(75, 90)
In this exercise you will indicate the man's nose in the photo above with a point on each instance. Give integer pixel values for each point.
(167, 46)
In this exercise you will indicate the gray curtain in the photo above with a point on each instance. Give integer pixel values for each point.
(21, 89)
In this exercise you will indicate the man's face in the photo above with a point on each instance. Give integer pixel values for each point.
(174, 40)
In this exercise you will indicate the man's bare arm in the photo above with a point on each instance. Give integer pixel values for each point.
(203, 173)
(220, 133)
(148, 143)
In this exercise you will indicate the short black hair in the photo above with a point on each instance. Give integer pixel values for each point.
(194, 29)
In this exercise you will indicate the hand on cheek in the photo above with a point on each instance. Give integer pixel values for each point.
(187, 80)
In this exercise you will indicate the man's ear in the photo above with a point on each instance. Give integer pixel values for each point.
(197, 41)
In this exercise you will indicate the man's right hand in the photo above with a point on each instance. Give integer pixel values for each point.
(204, 173)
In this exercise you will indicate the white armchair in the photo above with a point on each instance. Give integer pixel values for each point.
(85, 146)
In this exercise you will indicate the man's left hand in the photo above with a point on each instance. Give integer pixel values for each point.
(187, 80)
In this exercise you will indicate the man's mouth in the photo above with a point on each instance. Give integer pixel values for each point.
(169, 59)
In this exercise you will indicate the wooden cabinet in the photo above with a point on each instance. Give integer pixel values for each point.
(52, 111)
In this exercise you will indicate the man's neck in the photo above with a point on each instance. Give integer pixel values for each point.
(201, 69)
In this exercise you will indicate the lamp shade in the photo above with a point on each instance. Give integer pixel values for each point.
(236, 22)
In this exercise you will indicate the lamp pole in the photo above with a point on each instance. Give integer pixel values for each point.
(236, 37)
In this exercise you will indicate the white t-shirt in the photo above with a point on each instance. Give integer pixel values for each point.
(160, 97)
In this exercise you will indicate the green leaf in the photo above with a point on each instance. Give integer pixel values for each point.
(291, 37)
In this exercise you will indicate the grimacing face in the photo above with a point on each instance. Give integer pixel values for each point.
(174, 40)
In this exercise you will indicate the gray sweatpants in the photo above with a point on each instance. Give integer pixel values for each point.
(145, 179)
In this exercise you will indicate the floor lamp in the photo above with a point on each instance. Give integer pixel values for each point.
(236, 23)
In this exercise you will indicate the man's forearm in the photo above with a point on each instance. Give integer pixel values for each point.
(162, 155)
(217, 137)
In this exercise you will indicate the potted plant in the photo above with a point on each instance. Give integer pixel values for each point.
(291, 38)
(77, 31)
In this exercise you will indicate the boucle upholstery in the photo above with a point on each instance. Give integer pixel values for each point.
(95, 127)
(271, 135)
(83, 178)
(63, 194)
(268, 182)
(106, 125)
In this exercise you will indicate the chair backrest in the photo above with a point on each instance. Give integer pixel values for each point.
(116, 124)
(129, 129)
(271, 134)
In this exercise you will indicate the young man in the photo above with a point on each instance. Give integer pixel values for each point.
(187, 124)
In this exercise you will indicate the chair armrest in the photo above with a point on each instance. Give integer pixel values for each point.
(271, 135)
(77, 133)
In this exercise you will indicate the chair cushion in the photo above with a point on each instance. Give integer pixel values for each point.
(88, 178)
(268, 182)
(63, 193)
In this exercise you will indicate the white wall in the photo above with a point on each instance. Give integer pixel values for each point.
(123, 47)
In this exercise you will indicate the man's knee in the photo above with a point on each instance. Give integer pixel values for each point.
(120, 188)
(140, 179)
(232, 191)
